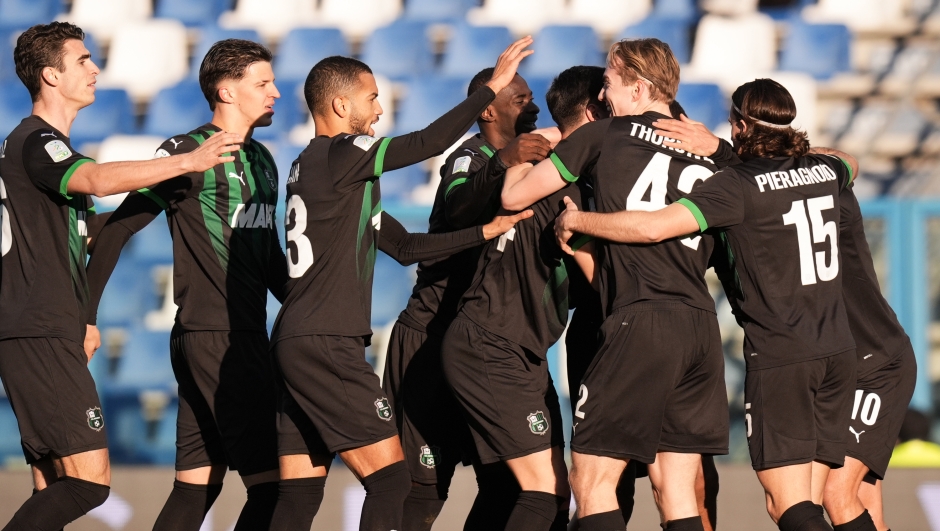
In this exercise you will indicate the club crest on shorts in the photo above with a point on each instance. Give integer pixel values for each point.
(95, 420)
(538, 423)
(430, 455)
(382, 409)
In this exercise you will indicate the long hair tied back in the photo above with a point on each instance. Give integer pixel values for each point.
(768, 110)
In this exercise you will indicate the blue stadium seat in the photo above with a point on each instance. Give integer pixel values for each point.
(787, 12)
(131, 438)
(192, 12)
(15, 104)
(153, 244)
(686, 10)
(391, 288)
(176, 110)
(427, 99)
(304, 47)
(473, 48)
(144, 364)
(210, 35)
(820, 50)
(399, 50)
(111, 114)
(703, 102)
(559, 47)
(25, 13)
(10, 449)
(397, 185)
(672, 31)
(128, 295)
(437, 10)
(539, 87)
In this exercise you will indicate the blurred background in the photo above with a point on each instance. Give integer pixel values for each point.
(865, 75)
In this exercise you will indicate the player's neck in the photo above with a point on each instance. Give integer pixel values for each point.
(55, 113)
(231, 124)
(330, 126)
(651, 106)
(494, 136)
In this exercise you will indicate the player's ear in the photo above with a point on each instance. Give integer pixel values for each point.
(488, 114)
(224, 95)
(341, 106)
(592, 112)
(50, 76)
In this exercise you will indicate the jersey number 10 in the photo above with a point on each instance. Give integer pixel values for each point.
(6, 235)
(822, 230)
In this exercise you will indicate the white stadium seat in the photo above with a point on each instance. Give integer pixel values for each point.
(103, 18)
(125, 147)
(732, 50)
(270, 18)
(522, 17)
(607, 17)
(866, 16)
(730, 7)
(803, 89)
(358, 18)
(146, 57)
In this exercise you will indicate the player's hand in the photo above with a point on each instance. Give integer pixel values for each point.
(92, 340)
(503, 224)
(527, 147)
(210, 153)
(563, 224)
(552, 134)
(508, 63)
(692, 136)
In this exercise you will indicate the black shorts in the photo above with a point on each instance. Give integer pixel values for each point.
(434, 436)
(796, 413)
(581, 343)
(879, 404)
(228, 401)
(53, 397)
(505, 391)
(330, 399)
(657, 384)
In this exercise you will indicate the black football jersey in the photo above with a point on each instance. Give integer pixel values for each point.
(520, 288)
(879, 337)
(43, 235)
(631, 170)
(441, 283)
(781, 219)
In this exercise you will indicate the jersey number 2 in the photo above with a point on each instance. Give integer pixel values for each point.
(300, 260)
(810, 267)
(6, 235)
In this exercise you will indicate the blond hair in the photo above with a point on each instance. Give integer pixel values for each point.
(649, 59)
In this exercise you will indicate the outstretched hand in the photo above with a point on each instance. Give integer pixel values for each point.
(503, 224)
(563, 224)
(508, 63)
(688, 135)
(211, 152)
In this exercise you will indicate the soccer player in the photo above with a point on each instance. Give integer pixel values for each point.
(433, 433)
(887, 368)
(780, 214)
(334, 215)
(44, 210)
(655, 392)
(226, 256)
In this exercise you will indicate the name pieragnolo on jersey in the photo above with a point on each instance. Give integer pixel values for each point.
(646, 133)
(777, 180)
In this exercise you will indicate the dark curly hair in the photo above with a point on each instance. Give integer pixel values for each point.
(765, 100)
(40, 46)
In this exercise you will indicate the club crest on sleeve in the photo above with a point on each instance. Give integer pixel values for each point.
(430, 456)
(294, 174)
(382, 409)
(364, 142)
(95, 420)
(161, 153)
(462, 165)
(538, 424)
(58, 151)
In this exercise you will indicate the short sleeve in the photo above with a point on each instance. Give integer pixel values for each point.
(578, 152)
(461, 166)
(178, 188)
(50, 161)
(717, 202)
(843, 170)
(357, 158)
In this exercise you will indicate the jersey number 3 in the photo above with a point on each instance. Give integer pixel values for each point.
(299, 250)
(6, 235)
(810, 267)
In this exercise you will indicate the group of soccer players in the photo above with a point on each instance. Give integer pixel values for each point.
(617, 212)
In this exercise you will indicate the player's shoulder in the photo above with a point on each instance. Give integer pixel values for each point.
(177, 145)
(348, 141)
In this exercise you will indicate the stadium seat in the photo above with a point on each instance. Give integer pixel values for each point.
(437, 10)
(144, 363)
(426, 100)
(929, 83)
(672, 31)
(803, 89)
(112, 113)
(304, 47)
(192, 12)
(400, 50)
(867, 123)
(522, 17)
(560, 47)
(885, 17)
(901, 134)
(10, 449)
(473, 48)
(271, 18)
(125, 147)
(146, 57)
(25, 13)
(539, 87)
(704, 102)
(105, 18)
(719, 56)
(819, 50)
(209, 35)
(15, 104)
(784, 12)
(391, 288)
(729, 8)
(909, 65)
(152, 245)
(126, 299)
(398, 185)
(176, 110)
(289, 110)
(607, 17)
(686, 10)
(369, 15)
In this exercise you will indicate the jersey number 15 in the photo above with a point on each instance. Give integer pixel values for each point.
(822, 230)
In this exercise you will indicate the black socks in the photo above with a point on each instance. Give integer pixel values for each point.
(386, 490)
(693, 523)
(804, 516)
(422, 506)
(534, 511)
(259, 509)
(58, 504)
(496, 498)
(298, 501)
(862, 522)
(609, 521)
(186, 507)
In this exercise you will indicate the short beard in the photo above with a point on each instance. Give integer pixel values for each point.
(359, 124)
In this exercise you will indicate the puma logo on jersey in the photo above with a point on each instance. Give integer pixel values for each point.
(3, 149)
(377, 221)
(176, 143)
(254, 216)
(868, 356)
(47, 134)
(294, 174)
(239, 176)
(856, 434)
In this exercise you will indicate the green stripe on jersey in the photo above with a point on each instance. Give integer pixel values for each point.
(699, 218)
(849, 168)
(580, 241)
(146, 192)
(554, 289)
(380, 156)
(560, 166)
(487, 151)
(207, 202)
(64, 185)
(455, 184)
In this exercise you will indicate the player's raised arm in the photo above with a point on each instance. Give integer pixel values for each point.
(626, 227)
